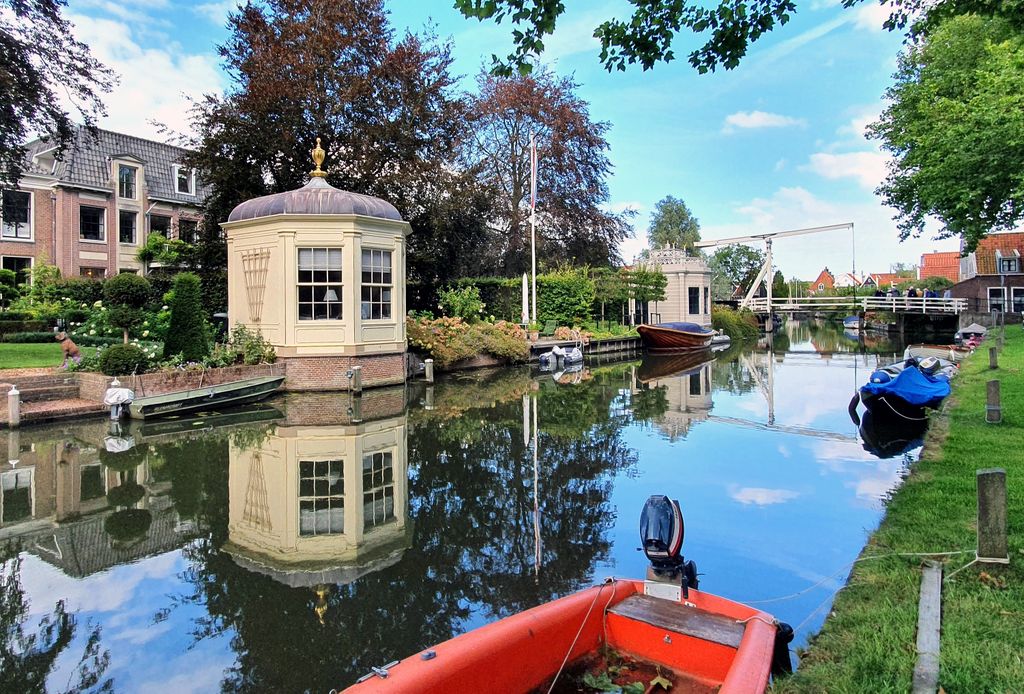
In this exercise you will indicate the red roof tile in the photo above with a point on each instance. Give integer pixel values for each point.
(945, 264)
(1006, 244)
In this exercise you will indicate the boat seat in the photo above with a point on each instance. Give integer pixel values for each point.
(689, 621)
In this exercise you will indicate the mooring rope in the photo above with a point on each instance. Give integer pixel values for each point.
(607, 581)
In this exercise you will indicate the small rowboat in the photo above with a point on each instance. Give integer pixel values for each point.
(953, 353)
(662, 627)
(205, 398)
(675, 337)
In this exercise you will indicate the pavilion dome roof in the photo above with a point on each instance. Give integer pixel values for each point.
(316, 197)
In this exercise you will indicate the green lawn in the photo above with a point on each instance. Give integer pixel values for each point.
(18, 356)
(867, 643)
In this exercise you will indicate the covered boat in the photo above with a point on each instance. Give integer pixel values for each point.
(973, 332)
(205, 398)
(905, 389)
(658, 628)
(675, 337)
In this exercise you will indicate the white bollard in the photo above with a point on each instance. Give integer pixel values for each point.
(13, 408)
(428, 370)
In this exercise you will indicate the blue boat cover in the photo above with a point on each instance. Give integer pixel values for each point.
(913, 386)
(688, 327)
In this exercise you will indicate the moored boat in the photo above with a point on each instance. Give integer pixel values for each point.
(908, 388)
(953, 353)
(205, 398)
(675, 337)
(853, 323)
(663, 626)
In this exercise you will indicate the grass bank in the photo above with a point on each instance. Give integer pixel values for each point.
(867, 642)
(18, 356)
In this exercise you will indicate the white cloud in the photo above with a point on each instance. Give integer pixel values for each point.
(154, 82)
(749, 120)
(871, 17)
(761, 496)
(216, 12)
(867, 167)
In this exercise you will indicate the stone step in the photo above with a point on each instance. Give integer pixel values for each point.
(59, 409)
(49, 392)
(41, 381)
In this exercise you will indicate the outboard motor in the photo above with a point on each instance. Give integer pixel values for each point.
(661, 538)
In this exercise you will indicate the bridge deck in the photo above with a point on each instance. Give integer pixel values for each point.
(897, 304)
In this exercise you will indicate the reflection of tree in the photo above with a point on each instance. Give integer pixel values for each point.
(649, 403)
(28, 658)
(472, 501)
(731, 376)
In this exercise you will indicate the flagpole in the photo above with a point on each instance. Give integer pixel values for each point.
(533, 222)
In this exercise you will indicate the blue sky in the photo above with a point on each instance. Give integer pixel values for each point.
(775, 144)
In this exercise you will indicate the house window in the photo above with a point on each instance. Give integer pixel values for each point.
(321, 497)
(126, 226)
(184, 180)
(821, 286)
(17, 494)
(1017, 299)
(378, 489)
(319, 284)
(187, 230)
(126, 181)
(695, 383)
(90, 223)
(707, 300)
(160, 224)
(22, 267)
(694, 296)
(376, 290)
(996, 297)
(93, 273)
(1007, 265)
(16, 214)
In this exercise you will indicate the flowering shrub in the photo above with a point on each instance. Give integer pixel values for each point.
(563, 333)
(450, 339)
(153, 326)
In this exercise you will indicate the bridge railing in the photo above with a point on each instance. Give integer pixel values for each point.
(892, 304)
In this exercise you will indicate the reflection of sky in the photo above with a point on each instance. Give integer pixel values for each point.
(145, 656)
(767, 513)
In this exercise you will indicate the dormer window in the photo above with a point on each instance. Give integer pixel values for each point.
(126, 181)
(184, 180)
(1009, 264)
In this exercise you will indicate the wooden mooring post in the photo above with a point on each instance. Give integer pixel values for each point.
(929, 624)
(993, 408)
(993, 358)
(993, 547)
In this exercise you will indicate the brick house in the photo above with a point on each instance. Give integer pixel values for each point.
(90, 213)
(992, 277)
(945, 264)
(825, 281)
(885, 280)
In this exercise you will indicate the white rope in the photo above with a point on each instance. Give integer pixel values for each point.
(609, 581)
(912, 419)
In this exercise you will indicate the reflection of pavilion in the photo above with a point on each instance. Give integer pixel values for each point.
(686, 382)
(321, 504)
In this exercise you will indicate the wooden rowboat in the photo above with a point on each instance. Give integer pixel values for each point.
(205, 398)
(703, 643)
(953, 353)
(675, 337)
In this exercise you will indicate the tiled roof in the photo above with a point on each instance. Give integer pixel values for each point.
(944, 264)
(1006, 244)
(884, 279)
(86, 163)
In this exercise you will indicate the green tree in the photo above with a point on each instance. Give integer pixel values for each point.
(730, 27)
(645, 284)
(187, 332)
(779, 286)
(955, 128)
(673, 225)
(733, 266)
(41, 63)
(609, 287)
(125, 296)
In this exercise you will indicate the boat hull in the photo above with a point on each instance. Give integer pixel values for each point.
(525, 651)
(951, 353)
(198, 399)
(663, 340)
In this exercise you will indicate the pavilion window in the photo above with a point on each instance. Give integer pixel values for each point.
(321, 497)
(694, 296)
(376, 285)
(378, 489)
(319, 284)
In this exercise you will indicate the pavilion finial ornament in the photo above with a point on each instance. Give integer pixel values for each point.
(318, 158)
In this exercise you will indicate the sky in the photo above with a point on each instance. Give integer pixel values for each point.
(774, 145)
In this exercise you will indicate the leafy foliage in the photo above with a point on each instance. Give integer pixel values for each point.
(739, 325)
(119, 360)
(461, 302)
(732, 267)
(449, 340)
(565, 296)
(41, 63)
(673, 225)
(126, 294)
(187, 333)
(955, 127)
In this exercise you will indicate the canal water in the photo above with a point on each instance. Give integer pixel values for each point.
(293, 546)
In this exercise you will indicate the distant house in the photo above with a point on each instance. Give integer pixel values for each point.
(89, 213)
(846, 280)
(885, 280)
(992, 277)
(945, 264)
(824, 282)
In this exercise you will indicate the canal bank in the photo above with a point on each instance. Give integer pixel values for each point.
(867, 641)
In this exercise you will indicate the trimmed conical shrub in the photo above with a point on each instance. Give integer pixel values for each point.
(187, 332)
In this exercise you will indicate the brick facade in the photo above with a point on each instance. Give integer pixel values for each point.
(329, 373)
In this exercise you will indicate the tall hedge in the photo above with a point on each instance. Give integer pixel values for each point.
(187, 332)
(565, 296)
(125, 295)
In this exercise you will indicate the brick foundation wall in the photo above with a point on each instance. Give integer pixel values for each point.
(328, 373)
(92, 386)
(332, 409)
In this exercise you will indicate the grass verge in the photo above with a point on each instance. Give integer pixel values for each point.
(19, 356)
(867, 642)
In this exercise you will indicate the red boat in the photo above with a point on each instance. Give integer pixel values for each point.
(657, 632)
(675, 337)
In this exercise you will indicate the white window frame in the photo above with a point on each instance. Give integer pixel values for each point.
(378, 489)
(31, 263)
(325, 286)
(135, 242)
(103, 227)
(135, 182)
(1002, 301)
(1013, 265)
(1014, 293)
(31, 220)
(191, 180)
(335, 500)
(366, 307)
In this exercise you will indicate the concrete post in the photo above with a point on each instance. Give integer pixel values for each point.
(428, 370)
(993, 409)
(13, 446)
(356, 381)
(13, 408)
(428, 400)
(993, 360)
(993, 547)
